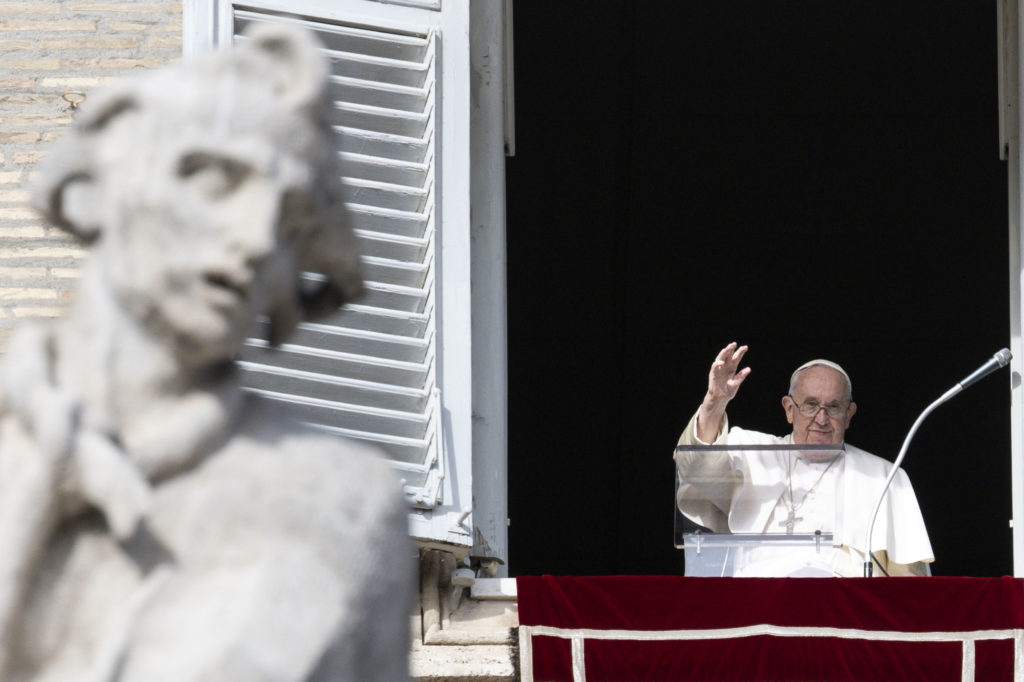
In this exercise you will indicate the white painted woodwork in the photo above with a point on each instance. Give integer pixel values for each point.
(396, 368)
(1009, 70)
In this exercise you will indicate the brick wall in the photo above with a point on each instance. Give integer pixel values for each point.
(50, 49)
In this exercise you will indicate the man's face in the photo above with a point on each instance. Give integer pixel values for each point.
(826, 387)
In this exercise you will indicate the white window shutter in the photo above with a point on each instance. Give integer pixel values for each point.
(379, 370)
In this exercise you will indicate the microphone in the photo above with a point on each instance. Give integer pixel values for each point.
(995, 362)
(998, 360)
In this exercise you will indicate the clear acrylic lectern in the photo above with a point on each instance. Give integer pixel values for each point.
(711, 478)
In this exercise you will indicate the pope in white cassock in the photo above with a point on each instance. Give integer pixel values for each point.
(793, 491)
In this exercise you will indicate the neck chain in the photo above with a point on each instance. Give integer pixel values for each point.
(792, 518)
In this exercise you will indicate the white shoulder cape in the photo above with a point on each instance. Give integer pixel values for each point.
(899, 528)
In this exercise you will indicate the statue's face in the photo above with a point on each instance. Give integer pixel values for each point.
(203, 234)
(207, 192)
(207, 188)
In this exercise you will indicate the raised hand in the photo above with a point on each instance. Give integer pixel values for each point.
(724, 381)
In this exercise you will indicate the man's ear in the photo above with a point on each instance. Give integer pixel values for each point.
(68, 193)
(788, 405)
(850, 411)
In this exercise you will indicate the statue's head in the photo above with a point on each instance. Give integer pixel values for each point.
(206, 189)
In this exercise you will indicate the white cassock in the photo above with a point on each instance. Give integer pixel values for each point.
(753, 492)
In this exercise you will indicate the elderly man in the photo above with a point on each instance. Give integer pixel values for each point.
(793, 491)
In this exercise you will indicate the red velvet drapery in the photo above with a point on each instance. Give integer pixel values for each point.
(825, 629)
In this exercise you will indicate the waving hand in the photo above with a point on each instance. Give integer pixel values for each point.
(724, 381)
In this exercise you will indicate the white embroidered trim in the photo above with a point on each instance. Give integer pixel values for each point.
(577, 636)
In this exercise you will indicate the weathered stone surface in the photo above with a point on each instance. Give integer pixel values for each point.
(454, 663)
(156, 523)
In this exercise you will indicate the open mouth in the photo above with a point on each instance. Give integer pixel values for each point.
(224, 290)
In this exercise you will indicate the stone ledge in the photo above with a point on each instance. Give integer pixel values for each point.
(462, 663)
(460, 634)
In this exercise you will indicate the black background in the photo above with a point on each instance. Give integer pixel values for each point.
(814, 179)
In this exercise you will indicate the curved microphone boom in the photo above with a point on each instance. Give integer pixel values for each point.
(998, 360)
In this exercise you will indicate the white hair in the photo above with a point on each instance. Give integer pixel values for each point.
(822, 363)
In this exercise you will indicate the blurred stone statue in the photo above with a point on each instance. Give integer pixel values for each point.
(156, 523)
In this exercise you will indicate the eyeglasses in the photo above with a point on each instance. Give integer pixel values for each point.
(811, 408)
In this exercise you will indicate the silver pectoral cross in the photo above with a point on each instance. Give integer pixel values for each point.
(790, 522)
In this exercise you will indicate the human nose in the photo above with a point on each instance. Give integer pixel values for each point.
(821, 416)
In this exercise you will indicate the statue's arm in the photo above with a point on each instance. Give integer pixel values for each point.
(86, 467)
(52, 464)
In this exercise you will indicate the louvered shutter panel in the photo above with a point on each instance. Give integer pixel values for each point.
(375, 370)
(367, 372)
